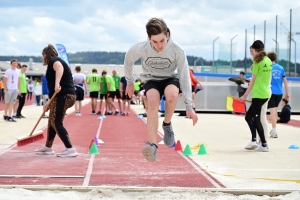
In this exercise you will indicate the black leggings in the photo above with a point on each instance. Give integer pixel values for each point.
(58, 108)
(22, 98)
(253, 119)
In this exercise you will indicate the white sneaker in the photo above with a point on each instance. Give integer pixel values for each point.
(70, 152)
(44, 151)
(78, 114)
(251, 145)
(262, 149)
(273, 134)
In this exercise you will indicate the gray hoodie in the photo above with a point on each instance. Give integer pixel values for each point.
(171, 62)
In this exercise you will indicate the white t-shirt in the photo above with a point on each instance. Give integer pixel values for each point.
(78, 79)
(12, 78)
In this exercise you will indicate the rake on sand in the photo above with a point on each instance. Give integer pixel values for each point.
(34, 136)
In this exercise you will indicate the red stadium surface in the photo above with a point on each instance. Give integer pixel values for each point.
(119, 162)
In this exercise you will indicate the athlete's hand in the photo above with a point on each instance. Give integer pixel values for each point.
(242, 98)
(46, 107)
(129, 90)
(192, 115)
(287, 96)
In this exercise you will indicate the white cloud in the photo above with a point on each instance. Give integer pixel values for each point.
(25, 28)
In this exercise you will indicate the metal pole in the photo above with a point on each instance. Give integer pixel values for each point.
(290, 43)
(213, 64)
(245, 51)
(276, 44)
(265, 24)
(254, 32)
(295, 64)
(231, 54)
(276, 35)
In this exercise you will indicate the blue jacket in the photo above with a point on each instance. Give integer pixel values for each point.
(45, 89)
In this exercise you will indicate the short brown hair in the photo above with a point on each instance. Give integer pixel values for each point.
(272, 55)
(94, 70)
(156, 26)
(78, 68)
(13, 60)
(24, 66)
(49, 52)
(104, 72)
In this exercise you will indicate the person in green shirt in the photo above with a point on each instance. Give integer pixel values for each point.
(261, 92)
(137, 89)
(23, 92)
(103, 92)
(111, 88)
(94, 81)
(117, 80)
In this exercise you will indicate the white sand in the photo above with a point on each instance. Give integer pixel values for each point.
(24, 194)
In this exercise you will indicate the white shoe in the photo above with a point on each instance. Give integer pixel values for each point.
(262, 149)
(79, 114)
(251, 145)
(273, 134)
(76, 114)
(44, 151)
(70, 152)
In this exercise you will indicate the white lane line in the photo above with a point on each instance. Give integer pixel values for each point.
(200, 171)
(8, 149)
(91, 162)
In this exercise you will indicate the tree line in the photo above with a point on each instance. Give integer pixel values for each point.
(102, 57)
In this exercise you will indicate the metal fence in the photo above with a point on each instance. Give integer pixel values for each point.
(280, 34)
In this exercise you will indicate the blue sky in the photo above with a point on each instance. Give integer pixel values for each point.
(90, 25)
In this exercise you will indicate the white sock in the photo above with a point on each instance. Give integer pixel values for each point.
(274, 130)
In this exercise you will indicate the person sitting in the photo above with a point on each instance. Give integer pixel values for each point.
(285, 115)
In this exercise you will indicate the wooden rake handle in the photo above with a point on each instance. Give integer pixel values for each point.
(237, 98)
(36, 124)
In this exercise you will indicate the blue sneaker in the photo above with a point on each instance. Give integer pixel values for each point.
(169, 138)
(149, 151)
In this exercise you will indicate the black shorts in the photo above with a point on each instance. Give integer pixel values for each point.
(103, 96)
(125, 96)
(111, 94)
(79, 93)
(160, 85)
(193, 88)
(118, 94)
(274, 100)
(94, 95)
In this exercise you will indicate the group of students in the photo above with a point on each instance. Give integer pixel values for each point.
(266, 86)
(15, 88)
(165, 73)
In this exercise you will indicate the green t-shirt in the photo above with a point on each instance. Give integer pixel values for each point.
(94, 81)
(137, 86)
(23, 88)
(103, 85)
(117, 80)
(263, 71)
(109, 79)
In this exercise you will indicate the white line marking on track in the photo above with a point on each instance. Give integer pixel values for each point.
(201, 171)
(8, 149)
(91, 162)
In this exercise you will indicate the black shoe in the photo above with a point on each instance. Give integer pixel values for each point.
(108, 113)
(17, 116)
(22, 116)
(117, 112)
(5, 117)
(99, 113)
(10, 119)
(93, 112)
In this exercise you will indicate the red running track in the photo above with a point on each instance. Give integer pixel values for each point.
(120, 162)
